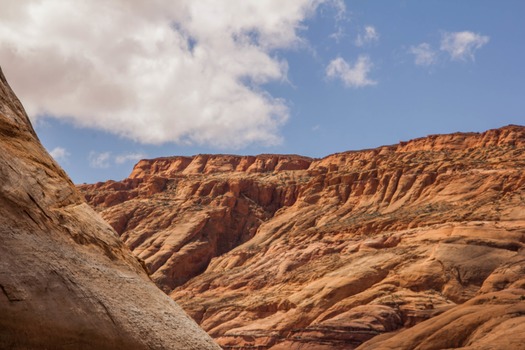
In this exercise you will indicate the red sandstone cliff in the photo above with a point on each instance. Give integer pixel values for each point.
(379, 247)
(66, 280)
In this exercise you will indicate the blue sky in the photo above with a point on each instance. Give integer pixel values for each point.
(250, 77)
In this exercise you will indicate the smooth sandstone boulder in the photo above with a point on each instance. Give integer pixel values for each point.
(66, 280)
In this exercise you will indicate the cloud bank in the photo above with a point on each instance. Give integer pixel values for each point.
(191, 72)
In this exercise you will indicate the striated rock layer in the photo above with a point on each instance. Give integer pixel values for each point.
(66, 280)
(418, 245)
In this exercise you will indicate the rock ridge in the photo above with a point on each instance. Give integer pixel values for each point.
(335, 252)
(216, 163)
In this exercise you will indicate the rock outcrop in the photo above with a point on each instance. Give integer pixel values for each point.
(66, 280)
(178, 213)
(377, 248)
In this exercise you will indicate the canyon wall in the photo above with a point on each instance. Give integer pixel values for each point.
(377, 248)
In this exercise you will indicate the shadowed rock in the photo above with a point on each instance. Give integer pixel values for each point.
(66, 280)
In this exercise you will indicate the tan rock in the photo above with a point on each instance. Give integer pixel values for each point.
(66, 280)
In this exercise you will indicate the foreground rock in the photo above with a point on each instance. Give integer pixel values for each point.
(286, 252)
(489, 321)
(66, 280)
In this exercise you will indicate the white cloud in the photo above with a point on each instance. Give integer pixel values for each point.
(59, 153)
(340, 7)
(338, 34)
(370, 35)
(424, 54)
(99, 160)
(103, 160)
(134, 157)
(462, 45)
(352, 75)
(340, 16)
(164, 71)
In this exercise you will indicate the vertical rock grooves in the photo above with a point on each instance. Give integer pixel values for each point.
(286, 252)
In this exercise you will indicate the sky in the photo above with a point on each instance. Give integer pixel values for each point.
(109, 82)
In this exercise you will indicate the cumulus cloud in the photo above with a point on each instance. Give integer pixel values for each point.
(185, 71)
(129, 157)
(424, 55)
(99, 160)
(352, 75)
(369, 35)
(59, 153)
(462, 45)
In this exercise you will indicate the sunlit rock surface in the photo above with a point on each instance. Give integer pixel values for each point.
(380, 248)
(66, 280)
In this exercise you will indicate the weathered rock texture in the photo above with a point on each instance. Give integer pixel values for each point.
(66, 280)
(413, 246)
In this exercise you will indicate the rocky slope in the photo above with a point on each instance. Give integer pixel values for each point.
(66, 280)
(178, 213)
(380, 248)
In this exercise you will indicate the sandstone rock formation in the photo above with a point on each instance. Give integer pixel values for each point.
(380, 248)
(178, 213)
(66, 280)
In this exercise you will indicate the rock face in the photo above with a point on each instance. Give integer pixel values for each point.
(66, 280)
(178, 213)
(418, 245)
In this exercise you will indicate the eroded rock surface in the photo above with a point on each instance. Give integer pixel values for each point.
(66, 280)
(286, 252)
(178, 213)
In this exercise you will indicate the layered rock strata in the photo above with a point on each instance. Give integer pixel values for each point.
(286, 252)
(66, 280)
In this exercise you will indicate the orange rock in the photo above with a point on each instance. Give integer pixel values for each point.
(289, 252)
(490, 321)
